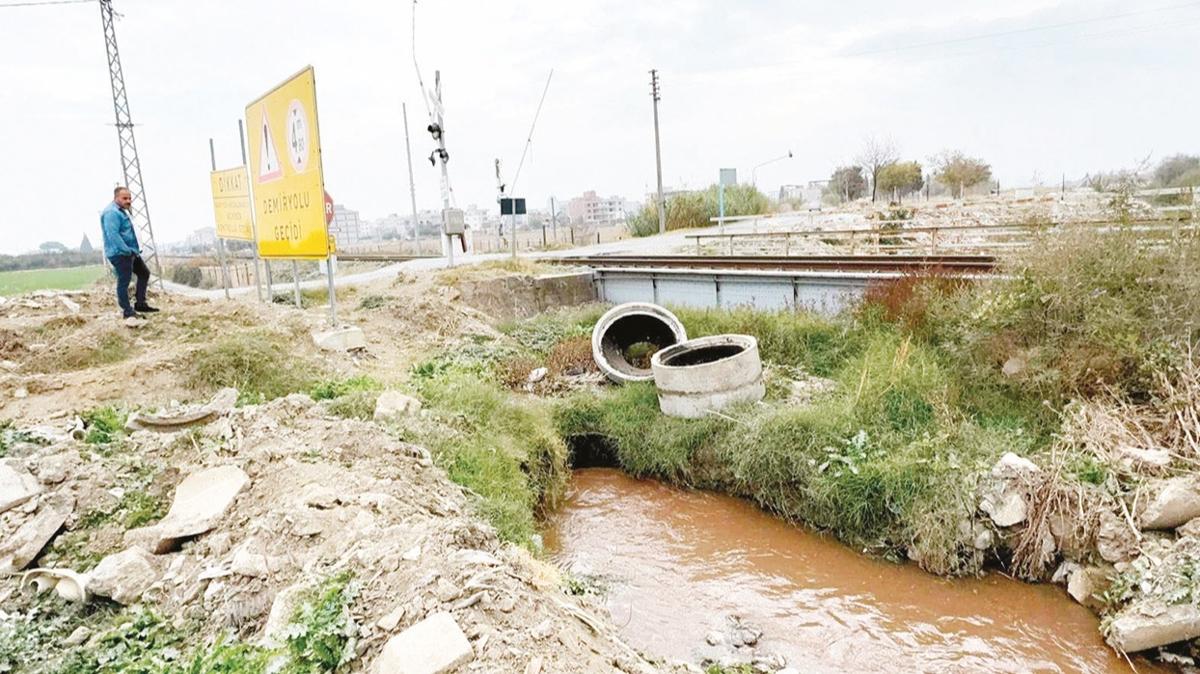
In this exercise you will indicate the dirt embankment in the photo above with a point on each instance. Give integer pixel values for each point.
(332, 539)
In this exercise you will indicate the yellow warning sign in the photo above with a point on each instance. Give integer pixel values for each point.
(285, 170)
(231, 204)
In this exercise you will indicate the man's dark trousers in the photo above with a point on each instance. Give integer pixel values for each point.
(128, 266)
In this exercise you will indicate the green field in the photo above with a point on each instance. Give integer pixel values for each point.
(71, 278)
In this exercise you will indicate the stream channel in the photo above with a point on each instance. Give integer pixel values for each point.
(674, 565)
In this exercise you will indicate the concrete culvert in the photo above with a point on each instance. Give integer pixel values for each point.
(628, 335)
(708, 374)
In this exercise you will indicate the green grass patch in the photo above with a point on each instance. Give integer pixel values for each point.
(502, 448)
(69, 278)
(336, 388)
(257, 363)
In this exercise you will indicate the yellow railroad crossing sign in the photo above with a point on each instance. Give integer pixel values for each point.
(285, 170)
(231, 204)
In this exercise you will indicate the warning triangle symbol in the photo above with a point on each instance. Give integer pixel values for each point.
(269, 166)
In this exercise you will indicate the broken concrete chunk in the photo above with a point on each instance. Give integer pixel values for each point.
(24, 546)
(537, 374)
(1116, 541)
(1132, 631)
(1146, 459)
(1086, 584)
(282, 608)
(1005, 505)
(16, 486)
(1192, 528)
(1175, 501)
(393, 405)
(66, 583)
(221, 403)
(249, 560)
(345, 338)
(436, 645)
(1010, 465)
(200, 502)
(124, 576)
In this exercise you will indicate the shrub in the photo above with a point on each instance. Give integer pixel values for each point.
(1082, 312)
(695, 209)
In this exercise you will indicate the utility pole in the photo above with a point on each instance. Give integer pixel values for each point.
(553, 220)
(132, 168)
(412, 186)
(438, 130)
(662, 207)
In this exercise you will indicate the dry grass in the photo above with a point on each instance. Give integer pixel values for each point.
(572, 356)
(1063, 514)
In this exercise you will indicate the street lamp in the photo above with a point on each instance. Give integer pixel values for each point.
(754, 171)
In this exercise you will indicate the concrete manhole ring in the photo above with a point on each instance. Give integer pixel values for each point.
(708, 374)
(633, 326)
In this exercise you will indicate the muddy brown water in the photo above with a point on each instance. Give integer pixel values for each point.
(676, 563)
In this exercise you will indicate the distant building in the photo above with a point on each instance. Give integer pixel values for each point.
(201, 239)
(85, 246)
(591, 209)
(346, 226)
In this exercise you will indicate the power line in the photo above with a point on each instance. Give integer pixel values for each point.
(38, 3)
(529, 140)
(1017, 31)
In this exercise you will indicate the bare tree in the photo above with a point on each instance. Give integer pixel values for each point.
(876, 154)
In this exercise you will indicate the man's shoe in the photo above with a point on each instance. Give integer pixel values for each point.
(145, 308)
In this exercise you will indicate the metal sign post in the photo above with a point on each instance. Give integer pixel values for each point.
(513, 207)
(727, 176)
(212, 154)
(253, 228)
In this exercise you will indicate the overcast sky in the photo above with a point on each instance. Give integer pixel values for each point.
(1037, 88)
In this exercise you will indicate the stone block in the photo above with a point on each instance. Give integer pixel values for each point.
(200, 502)
(1174, 502)
(124, 576)
(1133, 631)
(436, 645)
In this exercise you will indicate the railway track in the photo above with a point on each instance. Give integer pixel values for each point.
(840, 263)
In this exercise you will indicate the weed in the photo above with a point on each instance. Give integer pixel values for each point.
(322, 635)
(105, 425)
(487, 270)
(11, 437)
(354, 405)
(229, 657)
(570, 356)
(136, 508)
(257, 363)
(141, 642)
(336, 388)
(372, 302)
(731, 669)
(541, 333)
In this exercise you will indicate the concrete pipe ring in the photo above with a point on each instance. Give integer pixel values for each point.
(626, 335)
(708, 374)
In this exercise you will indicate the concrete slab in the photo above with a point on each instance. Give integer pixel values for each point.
(436, 645)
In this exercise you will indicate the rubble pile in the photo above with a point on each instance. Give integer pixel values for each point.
(268, 500)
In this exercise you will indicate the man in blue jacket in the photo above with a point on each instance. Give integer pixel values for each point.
(122, 250)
